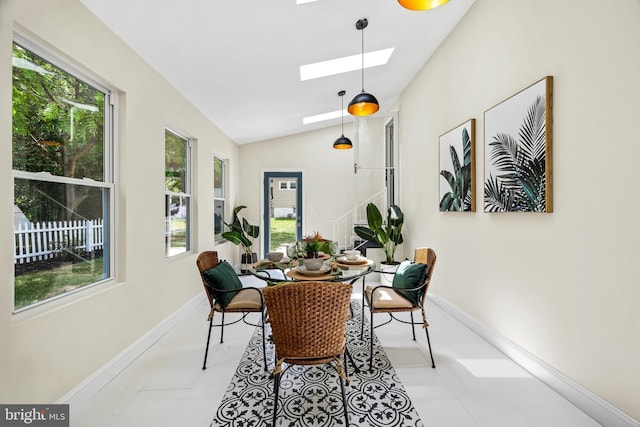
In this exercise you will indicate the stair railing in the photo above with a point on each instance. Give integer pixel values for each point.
(343, 225)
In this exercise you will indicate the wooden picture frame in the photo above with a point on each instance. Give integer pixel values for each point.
(517, 151)
(458, 168)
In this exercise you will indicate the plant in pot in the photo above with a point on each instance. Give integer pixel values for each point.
(310, 248)
(242, 233)
(386, 234)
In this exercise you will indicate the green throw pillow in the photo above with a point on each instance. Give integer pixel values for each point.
(409, 275)
(224, 277)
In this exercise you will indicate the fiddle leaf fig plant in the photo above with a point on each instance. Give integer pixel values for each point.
(242, 233)
(387, 234)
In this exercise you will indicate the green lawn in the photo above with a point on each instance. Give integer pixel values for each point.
(283, 230)
(178, 228)
(48, 282)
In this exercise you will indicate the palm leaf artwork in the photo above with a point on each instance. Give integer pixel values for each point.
(519, 184)
(459, 180)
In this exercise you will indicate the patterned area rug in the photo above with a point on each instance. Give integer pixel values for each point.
(310, 396)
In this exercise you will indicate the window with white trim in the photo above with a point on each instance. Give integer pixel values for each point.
(62, 145)
(219, 196)
(287, 185)
(177, 149)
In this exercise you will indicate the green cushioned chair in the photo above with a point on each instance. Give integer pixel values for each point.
(227, 295)
(407, 294)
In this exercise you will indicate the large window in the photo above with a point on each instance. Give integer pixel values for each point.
(62, 175)
(177, 150)
(219, 196)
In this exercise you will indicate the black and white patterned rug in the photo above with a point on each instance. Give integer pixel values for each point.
(310, 396)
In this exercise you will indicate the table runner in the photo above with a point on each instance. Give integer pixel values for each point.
(310, 396)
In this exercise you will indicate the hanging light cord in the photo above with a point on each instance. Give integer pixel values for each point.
(342, 111)
(362, 58)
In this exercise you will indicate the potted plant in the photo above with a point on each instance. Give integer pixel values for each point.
(310, 245)
(242, 233)
(311, 248)
(387, 234)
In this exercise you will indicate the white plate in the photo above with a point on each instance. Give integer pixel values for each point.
(358, 261)
(303, 270)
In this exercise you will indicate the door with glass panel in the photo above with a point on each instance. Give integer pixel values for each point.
(282, 210)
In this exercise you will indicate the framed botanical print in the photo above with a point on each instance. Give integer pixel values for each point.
(517, 151)
(458, 168)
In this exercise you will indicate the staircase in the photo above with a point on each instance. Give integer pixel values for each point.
(343, 225)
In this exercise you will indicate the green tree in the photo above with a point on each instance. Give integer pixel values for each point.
(175, 162)
(58, 127)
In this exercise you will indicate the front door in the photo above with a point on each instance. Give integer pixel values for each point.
(282, 210)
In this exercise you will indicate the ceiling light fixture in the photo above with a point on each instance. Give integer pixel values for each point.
(363, 104)
(421, 4)
(342, 143)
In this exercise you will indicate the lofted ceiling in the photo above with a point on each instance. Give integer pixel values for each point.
(238, 61)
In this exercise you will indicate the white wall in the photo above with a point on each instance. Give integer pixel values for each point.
(564, 286)
(46, 351)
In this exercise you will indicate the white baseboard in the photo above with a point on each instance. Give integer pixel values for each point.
(90, 386)
(601, 411)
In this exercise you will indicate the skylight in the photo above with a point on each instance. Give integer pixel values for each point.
(322, 117)
(304, 1)
(345, 64)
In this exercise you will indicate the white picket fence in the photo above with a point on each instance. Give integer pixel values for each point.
(43, 240)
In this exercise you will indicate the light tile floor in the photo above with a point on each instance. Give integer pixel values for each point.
(473, 383)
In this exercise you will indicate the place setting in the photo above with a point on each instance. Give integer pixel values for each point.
(312, 268)
(352, 258)
(307, 272)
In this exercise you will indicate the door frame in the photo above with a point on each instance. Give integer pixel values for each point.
(266, 176)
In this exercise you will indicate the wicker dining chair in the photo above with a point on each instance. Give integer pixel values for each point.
(228, 296)
(308, 323)
(407, 294)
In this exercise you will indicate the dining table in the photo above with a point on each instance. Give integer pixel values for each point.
(336, 268)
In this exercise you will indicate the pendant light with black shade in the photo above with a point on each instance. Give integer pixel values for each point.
(421, 4)
(342, 143)
(363, 104)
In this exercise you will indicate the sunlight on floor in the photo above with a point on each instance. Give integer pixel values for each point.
(493, 368)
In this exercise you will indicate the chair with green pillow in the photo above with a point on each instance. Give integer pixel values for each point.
(407, 294)
(226, 295)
